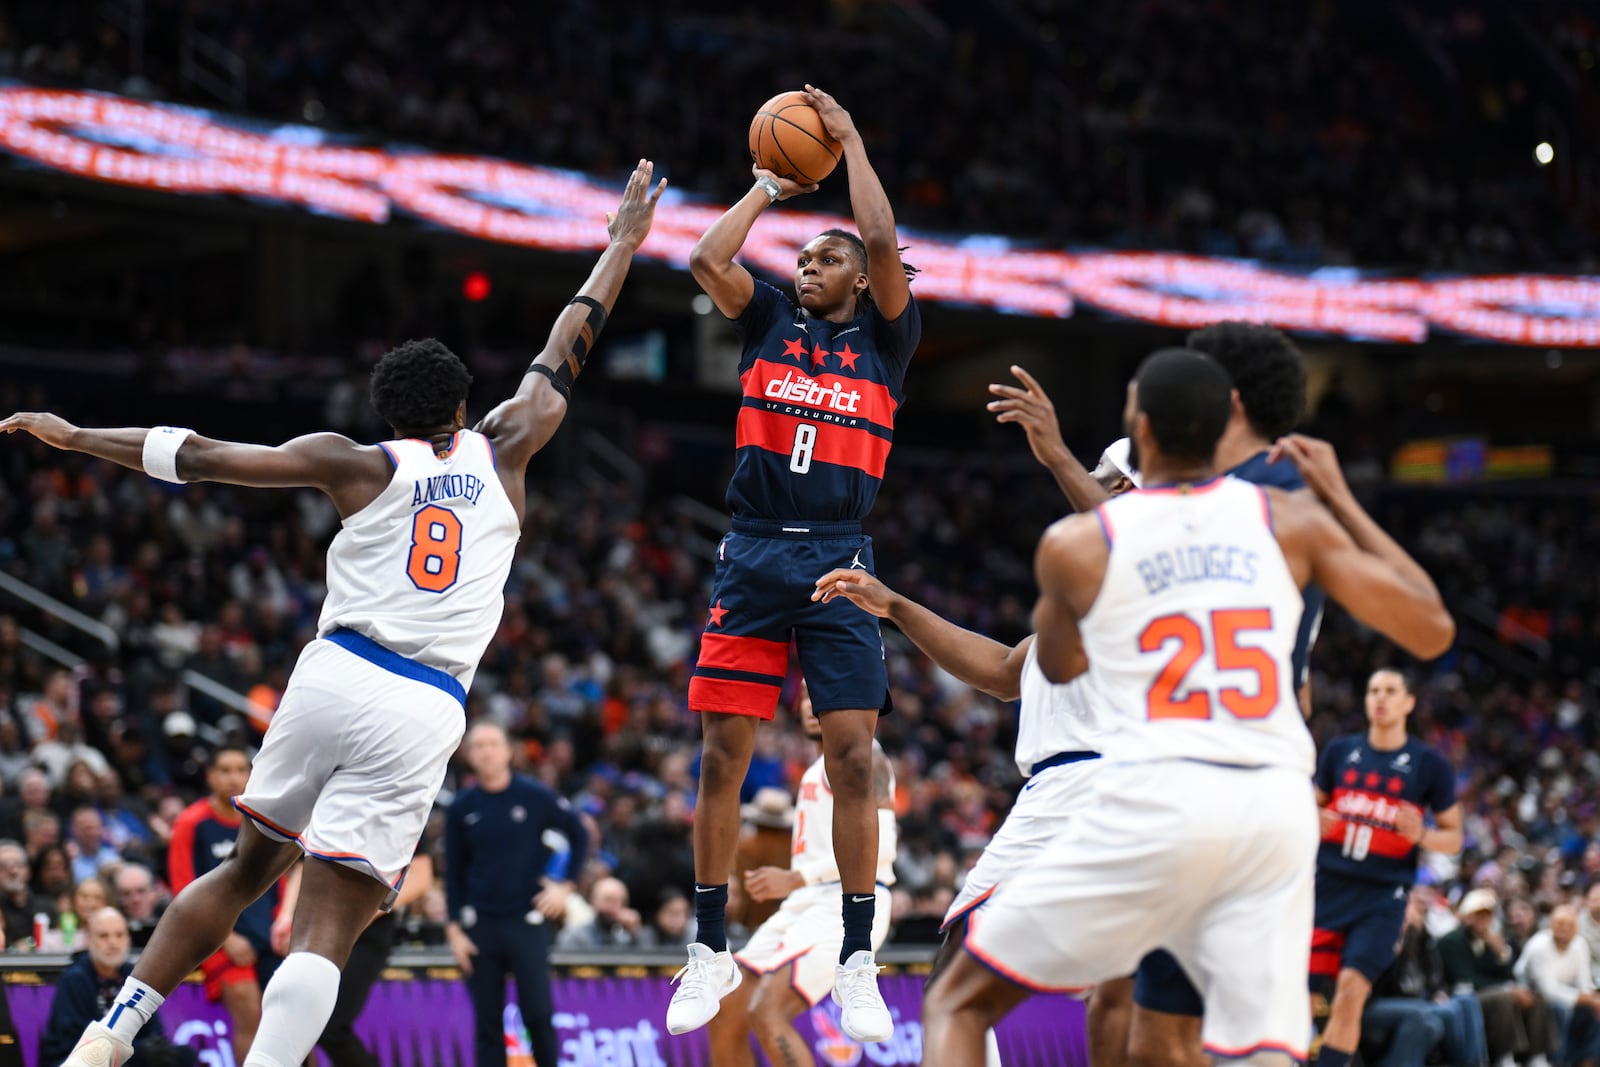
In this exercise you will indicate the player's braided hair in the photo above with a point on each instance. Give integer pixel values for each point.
(858, 248)
(419, 386)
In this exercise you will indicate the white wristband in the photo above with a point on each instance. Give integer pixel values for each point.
(161, 446)
(770, 187)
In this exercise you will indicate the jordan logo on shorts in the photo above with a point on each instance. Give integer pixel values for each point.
(856, 564)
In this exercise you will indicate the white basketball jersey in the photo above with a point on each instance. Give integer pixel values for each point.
(422, 569)
(813, 824)
(1190, 636)
(1055, 718)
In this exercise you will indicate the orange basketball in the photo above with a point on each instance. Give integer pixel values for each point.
(787, 138)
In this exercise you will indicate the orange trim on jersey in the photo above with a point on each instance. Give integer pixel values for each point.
(842, 446)
(972, 906)
(1298, 1055)
(1266, 508)
(1007, 973)
(455, 441)
(875, 403)
(1194, 489)
(756, 699)
(333, 857)
(776, 966)
(731, 652)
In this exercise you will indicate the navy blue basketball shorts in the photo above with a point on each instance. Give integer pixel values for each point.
(761, 598)
(1357, 925)
(1161, 984)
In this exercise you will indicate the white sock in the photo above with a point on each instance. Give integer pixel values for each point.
(134, 1006)
(295, 1008)
(991, 1050)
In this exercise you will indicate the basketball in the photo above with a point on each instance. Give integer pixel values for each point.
(787, 138)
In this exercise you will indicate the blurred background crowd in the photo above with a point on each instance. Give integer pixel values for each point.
(1386, 134)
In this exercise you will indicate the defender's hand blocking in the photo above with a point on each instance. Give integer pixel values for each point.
(1031, 408)
(835, 119)
(787, 187)
(857, 586)
(771, 883)
(1318, 464)
(53, 430)
(630, 223)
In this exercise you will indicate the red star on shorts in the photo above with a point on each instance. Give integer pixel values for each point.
(1395, 785)
(717, 612)
(820, 356)
(795, 348)
(1372, 779)
(847, 358)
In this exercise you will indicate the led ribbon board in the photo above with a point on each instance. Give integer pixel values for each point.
(186, 151)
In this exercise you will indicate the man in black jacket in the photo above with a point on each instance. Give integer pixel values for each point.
(85, 992)
(1477, 959)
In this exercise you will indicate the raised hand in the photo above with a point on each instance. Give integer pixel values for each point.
(835, 119)
(53, 430)
(630, 223)
(787, 187)
(1031, 408)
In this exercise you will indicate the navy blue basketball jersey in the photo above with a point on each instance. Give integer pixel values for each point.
(1367, 788)
(817, 417)
(1286, 476)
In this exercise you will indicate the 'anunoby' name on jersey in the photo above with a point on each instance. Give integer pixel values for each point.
(817, 418)
(1368, 788)
(422, 569)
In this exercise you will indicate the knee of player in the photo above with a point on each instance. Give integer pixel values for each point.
(768, 1012)
(849, 766)
(721, 762)
(1351, 992)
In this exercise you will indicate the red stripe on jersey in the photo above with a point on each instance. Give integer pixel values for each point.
(842, 446)
(823, 391)
(1375, 811)
(757, 655)
(733, 698)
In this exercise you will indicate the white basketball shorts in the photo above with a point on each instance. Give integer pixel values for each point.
(354, 758)
(808, 931)
(1039, 816)
(1212, 863)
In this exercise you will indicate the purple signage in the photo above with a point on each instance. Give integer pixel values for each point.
(601, 1021)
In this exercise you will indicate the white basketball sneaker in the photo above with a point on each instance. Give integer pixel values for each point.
(703, 982)
(865, 1016)
(100, 1046)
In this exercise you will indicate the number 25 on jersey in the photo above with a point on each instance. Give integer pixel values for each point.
(435, 558)
(1162, 701)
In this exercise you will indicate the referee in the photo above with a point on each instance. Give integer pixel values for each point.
(496, 853)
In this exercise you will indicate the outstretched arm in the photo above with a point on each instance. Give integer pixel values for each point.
(886, 275)
(1354, 560)
(351, 474)
(524, 424)
(1069, 566)
(974, 659)
(1031, 408)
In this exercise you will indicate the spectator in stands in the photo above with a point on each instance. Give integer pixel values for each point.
(45, 713)
(1556, 965)
(66, 748)
(1477, 959)
(85, 992)
(615, 924)
(52, 875)
(1589, 923)
(18, 901)
(88, 897)
(1410, 1014)
(15, 755)
(127, 821)
(673, 922)
(139, 899)
(88, 847)
(33, 789)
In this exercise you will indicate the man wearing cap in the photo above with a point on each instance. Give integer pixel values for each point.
(1476, 959)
